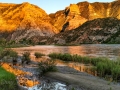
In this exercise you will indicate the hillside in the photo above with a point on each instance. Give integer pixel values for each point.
(101, 30)
(83, 22)
(18, 21)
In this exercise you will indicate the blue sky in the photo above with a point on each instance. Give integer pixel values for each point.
(51, 6)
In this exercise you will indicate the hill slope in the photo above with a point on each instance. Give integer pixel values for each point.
(102, 30)
(18, 21)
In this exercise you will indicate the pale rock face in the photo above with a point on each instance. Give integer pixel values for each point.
(72, 9)
(77, 14)
(75, 22)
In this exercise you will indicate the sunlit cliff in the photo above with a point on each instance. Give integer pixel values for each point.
(77, 14)
(25, 20)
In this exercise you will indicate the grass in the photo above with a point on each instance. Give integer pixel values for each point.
(39, 55)
(76, 58)
(103, 66)
(7, 80)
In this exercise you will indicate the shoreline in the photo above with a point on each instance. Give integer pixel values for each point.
(81, 79)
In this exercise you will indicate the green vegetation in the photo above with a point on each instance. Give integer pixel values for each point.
(26, 58)
(12, 44)
(47, 66)
(7, 53)
(76, 58)
(39, 55)
(103, 66)
(26, 42)
(7, 80)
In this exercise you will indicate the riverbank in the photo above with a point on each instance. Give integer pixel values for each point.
(82, 80)
(83, 83)
(71, 79)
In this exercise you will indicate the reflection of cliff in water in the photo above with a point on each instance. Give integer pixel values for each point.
(111, 51)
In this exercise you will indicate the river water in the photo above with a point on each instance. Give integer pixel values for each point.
(111, 51)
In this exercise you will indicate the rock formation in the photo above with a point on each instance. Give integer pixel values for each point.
(77, 14)
(18, 21)
(102, 30)
(27, 21)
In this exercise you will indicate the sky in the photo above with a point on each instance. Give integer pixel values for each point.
(51, 6)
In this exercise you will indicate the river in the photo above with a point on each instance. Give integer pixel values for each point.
(111, 51)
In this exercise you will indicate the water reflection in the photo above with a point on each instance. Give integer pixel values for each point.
(111, 51)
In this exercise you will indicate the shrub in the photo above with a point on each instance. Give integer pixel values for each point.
(9, 52)
(47, 66)
(26, 58)
(38, 55)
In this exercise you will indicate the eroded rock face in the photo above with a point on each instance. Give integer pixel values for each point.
(102, 30)
(77, 14)
(24, 21)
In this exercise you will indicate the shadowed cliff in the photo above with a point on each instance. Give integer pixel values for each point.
(101, 30)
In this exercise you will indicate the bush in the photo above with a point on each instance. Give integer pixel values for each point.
(9, 52)
(47, 66)
(26, 58)
(38, 55)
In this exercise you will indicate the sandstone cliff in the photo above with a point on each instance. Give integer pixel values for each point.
(77, 14)
(18, 21)
(27, 21)
(101, 30)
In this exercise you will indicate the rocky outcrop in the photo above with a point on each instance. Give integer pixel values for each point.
(24, 21)
(102, 30)
(76, 14)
